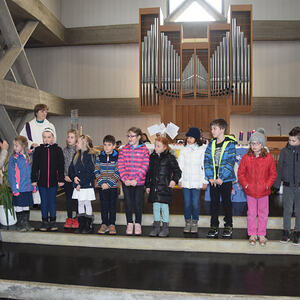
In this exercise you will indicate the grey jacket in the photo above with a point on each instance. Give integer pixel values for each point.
(69, 152)
(288, 167)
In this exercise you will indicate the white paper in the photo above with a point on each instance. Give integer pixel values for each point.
(172, 130)
(154, 129)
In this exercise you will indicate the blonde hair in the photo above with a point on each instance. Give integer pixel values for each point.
(164, 141)
(89, 144)
(22, 140)
(75, 133)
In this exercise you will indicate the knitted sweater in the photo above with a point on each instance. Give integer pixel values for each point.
(133, 163)
(69, 153)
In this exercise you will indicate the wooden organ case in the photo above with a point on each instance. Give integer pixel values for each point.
(192, 82)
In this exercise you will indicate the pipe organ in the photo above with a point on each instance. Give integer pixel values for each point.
(183, 79)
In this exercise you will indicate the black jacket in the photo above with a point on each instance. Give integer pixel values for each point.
(162, 169)
(288, 167)
(48, 165)
(83, 169)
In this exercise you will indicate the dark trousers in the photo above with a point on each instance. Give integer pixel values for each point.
(108, 199)
(48, 201)
(134, 197)
(71, 204)
(223, 191)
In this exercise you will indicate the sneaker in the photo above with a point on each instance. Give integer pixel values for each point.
(53, 226)
(112, 229)
(137, 229)
(252, 240)
(129, 229)
(194, 227)
(103, 229)
(285, 237)
(227, 232)
(69, 223)
(75, 223)
(187, 227)
(44, 226)
(296, 239)
(213, 232)
(262, 240)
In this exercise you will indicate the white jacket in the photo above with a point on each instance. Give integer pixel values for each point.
(37, 131)
(191, 163)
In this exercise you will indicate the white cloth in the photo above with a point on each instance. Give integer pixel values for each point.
(84, 194)
(191, 163)
(85, 207)
(36, 197)
(37, 130)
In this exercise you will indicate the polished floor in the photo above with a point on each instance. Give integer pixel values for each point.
(153, 270)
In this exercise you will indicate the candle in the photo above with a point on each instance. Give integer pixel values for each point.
(248, 135)
(241, 136)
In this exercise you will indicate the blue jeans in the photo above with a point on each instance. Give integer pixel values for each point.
(48, 201)
(108, 199)
(191, 198)
(164, 208)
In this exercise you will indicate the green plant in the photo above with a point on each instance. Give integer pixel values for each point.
(6, 195)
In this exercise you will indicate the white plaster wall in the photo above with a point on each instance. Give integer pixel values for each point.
(54, 6)
(81, 13)
(270, 9)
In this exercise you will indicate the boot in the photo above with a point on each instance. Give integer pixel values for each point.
(81, 221)
(45, 224)
(52, 224)
(187, 228)
(165, 230)
(194, 227)
(155, 228)
(19, 224)
(26, 221)
(88, 224)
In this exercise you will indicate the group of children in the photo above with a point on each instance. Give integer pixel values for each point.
(79, 164)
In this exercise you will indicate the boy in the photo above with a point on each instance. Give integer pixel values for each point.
(219, 163)
(107, 175)
(288, 171)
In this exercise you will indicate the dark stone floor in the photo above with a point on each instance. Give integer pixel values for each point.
(153, 270)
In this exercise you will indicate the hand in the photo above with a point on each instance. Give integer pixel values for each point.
(16, 194)
(78, 187)
(105, 186)
(68, 179)
(127, 182)
(34, 145)
(204, 186)
(133, 182)
(212, 182)
(147, 190)
(4, 145)
(180, 184)
(34, 183)
(76, 180)
(219, 181)
(61, 184)
(172, 184)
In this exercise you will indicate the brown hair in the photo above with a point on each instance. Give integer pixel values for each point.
(22, 140)
(263, 152)
(39, 107)
(138, 132)
(164, 141)
(89, 144)
(221, 123)
(74, 132)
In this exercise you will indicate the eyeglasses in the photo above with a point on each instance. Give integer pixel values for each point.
(131, 136)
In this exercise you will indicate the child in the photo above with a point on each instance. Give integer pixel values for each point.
(107, 175)
(162, 176)
(81, 171)
(69, 153)
(19, 172)
(257, 173)
(288, 169)
(219, 163)
(133, 165)
(191, 163)
(48, 174)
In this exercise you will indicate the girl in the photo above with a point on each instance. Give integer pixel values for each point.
(257, 173)
(19, 172)
(191, 163)
(133, 165)
(81, 171)
(48, 174)
(162, 176)
(69, 152)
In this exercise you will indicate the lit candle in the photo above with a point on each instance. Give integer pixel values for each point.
(248, 135)
(241, 137)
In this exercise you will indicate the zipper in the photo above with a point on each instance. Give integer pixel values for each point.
(294, 163)
(48, 167)
(27, 174)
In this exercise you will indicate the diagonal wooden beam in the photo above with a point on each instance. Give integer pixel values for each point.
(179, 10)
(7, 61)
(27, 31)
(7, 128)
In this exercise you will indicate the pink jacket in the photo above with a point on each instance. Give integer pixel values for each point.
(133, 163)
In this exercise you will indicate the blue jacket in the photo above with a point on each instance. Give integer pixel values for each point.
(227, 160)
(83, 169)
(106, 169)
(19, 173)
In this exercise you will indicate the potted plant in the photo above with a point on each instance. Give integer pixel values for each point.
(7, 211)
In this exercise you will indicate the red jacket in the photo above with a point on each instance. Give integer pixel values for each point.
(257, 175)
